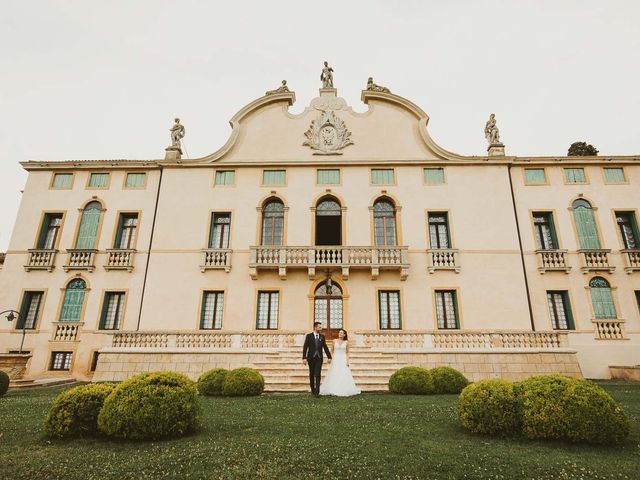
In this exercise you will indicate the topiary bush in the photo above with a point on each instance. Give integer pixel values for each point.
(411, 381)
(4, 382)
(447, 380)
(150, 406)
(74, 413)
(489, 406)
(570, 409)
(211, 382)
(243, 382)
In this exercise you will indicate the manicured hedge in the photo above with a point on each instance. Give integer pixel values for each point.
(210, 383)
(243, 382)
(411, 381)
(447, 380)
(4, 382)
(489, 406)
(150, 406)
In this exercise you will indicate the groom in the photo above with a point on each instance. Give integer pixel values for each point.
(314, 344)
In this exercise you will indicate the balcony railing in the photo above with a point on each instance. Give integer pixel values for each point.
(216, 259)
(41, 259)
(204, 339)
(552, 260)
(120, 259)
(66, 331)
(443, 259)
(632, 259)
(80, 259)
(595, 260)
(609, 329)
(343, 257)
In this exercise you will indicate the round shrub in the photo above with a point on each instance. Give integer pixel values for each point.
(74, 413)
(447, 380)
(211, 382)
(489, 406)
(243, 382)
(411, 380)
(151, 405)
(570, 409)
(4, 382)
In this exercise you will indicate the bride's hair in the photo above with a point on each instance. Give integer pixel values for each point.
(346, 337)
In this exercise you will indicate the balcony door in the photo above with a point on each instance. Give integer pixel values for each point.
(328, 223)
(328, 308)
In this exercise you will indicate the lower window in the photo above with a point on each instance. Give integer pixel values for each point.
(61, 361)
(112, 309)
(560, 310)
(447, 309)
(211, 315)
(268, 307)
(94, 361)
(389, 310)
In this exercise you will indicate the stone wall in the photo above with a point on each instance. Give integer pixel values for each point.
(15, 364)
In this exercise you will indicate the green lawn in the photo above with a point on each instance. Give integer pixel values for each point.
(298, 436)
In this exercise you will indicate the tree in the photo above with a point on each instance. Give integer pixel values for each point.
(582, 149)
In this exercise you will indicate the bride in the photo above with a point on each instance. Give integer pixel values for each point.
(339, 381)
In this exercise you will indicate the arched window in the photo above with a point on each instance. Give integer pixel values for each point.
(384, 223)
(89, 223)
(601, 298)
(73, 301)
(585, 225)
(328, 222)
(272, 222)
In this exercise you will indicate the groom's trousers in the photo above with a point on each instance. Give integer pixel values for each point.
(315, 370)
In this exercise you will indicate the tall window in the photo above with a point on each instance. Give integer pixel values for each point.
(382, 176)
(628, 229)
(433, 176)
(212, 308)
(439, 230)
(29, 310)
(560, 310)
(135, 180)
(49, 231)
(225, 177)
(273, 223)
(389, 310)
(574, 175)
(614, 175)
(267, 317)
(533, 176)
(327, 176)
(384, 223)
(219, 230)
(73, 301)
(545, 231)
(586, 225)
(112, 309)
(274, 177)
(60, 361)
(126, 234)
(62, 180)
(602, 299)
(89, 223)
(447, 309)
(98, 180)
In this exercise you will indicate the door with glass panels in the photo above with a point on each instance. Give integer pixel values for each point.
(328, 309)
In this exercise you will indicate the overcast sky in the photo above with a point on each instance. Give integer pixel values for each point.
(104, 80)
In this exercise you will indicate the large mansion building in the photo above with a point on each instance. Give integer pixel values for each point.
(500, 266)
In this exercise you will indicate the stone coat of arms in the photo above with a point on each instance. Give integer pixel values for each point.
(328, 134)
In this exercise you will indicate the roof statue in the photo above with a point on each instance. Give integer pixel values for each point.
(327, 76)
(281, 89)
(376, 88)
(177, 133)
(491, 132)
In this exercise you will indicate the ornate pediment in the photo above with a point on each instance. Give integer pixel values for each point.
(328, 134)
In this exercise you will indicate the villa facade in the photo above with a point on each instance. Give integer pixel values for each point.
(498, 265)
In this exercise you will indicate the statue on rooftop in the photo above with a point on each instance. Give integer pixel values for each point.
(327, 76)
(281, 89)
(376, 88)
(491, 132)
(177, 133)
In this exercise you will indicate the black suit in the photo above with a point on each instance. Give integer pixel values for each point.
(312, 353)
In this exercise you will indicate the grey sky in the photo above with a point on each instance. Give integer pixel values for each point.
(95, 80)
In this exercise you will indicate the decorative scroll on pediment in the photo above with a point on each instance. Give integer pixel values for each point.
(328, 134)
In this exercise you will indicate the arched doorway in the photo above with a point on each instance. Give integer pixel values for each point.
(327, 308)
(328, 222)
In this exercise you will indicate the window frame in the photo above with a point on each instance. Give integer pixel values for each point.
(387, 290)
(424, 180)
(212, 214)
(39, 233)
(458, 310)
(224, 185)
(126, 177)
(88, 186)
(634, 227)
(261, 218)
(63, 292)
(339, 170)
(534, 184)
(116, 237)
(393, 170)
(103, 310)
(201, 307)
(39, 313)
(614, 167)
(67, 354)
(396, 220)
(286, 177)
(584, 171)
(447, 214)
(555, 236)
(53, 179)
(614, 299)
(81, 211)
(93, 360)
(566, 300)
(269, 291)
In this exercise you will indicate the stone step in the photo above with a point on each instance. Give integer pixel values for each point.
(300, 388)
(305, 381)
(40, 382)
(302, 368)
(353, 361)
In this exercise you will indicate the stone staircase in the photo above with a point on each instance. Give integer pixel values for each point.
(284, 371)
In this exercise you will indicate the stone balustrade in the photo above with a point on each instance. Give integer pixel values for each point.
(41, 259)
(552, 260)
(632, 258)
(373, 258)
(120, 259)
(208, 340)
(216, 259)
(596, 260)
(66, 331)
(443, 259)
(609, 329)
(81, 259)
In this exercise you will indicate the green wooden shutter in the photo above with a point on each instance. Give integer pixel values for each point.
(574, 175)
(586, 226)
(433, 176)
(72, 306)
(535, 175)
(273, 177)
(44, 230)
(62, 180)
(382, 176)
(88, 228)
(614, 175)
(328, 177)
(603, 305)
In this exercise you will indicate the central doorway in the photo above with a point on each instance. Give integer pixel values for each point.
(327, 308)
(328, 222)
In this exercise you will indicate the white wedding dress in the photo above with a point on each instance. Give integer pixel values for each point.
(339, 381)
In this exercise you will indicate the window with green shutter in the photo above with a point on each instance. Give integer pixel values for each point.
(112, 309)
(628, 230)
(574, 175)
(433, 176)
(328, 176)
(135, 180)
(225, 177)
(267, 310)
(384, 223)
(29, 310)
(533, 176)
(49, 231)
(447, 309)
(274, 177)
(99, 180)
(73, 301)
(382, 176)
(614, 175)
(602, 299)
(126, 233)
(543, 225)
(212, 308)
(560, 310)
(390, 317)
(62, 180)
(89, 223)
(585, 225)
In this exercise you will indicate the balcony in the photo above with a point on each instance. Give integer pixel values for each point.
(41, 259)
(552, 261)
(596, 260)
(443, 259)
(81, 259)
(66, 331)
(282, 258)
(120, 259)
(216, 259)
(609, 329)
(632, 260)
